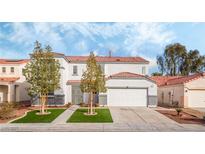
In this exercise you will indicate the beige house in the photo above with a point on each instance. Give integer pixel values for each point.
(186, 91)
(12, 82)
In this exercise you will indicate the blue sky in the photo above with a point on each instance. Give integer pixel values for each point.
(123, 39)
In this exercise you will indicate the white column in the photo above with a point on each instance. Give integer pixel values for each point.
(10, 93)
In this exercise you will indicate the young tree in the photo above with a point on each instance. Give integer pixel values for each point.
(42, 73)
(93, 80)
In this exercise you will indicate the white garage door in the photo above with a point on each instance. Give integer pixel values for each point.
(196, 98)
(127, 97)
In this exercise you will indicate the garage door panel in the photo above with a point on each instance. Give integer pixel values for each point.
(127, 97)
(196, 98)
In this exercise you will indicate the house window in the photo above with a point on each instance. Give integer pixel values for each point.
(12, 69)
(3, 69)
(143, 70)
(75, 70)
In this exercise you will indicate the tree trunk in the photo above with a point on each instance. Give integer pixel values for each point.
(91, 103)
(43, 100)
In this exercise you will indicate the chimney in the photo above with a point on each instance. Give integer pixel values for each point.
(110, 53)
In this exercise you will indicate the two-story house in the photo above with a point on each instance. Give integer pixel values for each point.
(127, 81)
(12, 82)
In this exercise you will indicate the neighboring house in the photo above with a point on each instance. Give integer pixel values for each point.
(126, 80)
(12, 81)
(182, 91)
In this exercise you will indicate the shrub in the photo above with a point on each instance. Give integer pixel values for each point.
(16, 105)
(82, 105)
(7, 110)
(178, 110)
(68, 105)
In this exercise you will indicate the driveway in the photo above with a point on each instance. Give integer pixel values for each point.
(147, 119)
(125, 119)
(143, 118)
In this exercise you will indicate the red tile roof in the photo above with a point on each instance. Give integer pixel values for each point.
(128, 75)
(73, 81)
(8, 79)
(161, 80)
(164, 80)
(13, 61)
(108, 59)
(83, 59)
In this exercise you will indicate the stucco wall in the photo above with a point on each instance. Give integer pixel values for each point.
(64, 71)
(22, 93)
(108, 68)
(176, 94)
(80, 67)
(17, 70)
(116, 68)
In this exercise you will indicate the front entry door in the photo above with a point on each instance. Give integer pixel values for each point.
(77, 96)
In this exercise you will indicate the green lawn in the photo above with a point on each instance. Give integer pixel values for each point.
(103, 116)
(31, 117)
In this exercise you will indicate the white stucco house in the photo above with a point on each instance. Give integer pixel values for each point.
(127, 81)
(182, 91)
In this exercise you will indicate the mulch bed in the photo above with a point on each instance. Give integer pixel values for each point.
(17, 113)
(183, 118)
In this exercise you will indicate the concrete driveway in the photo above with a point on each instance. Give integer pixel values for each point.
(143, 118)
(126, 119)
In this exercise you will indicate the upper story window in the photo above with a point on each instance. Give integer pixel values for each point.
(12, 69)
(3, 69)
(143, 69)
(75, 70)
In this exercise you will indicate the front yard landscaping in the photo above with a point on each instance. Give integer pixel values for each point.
(182, 117)
(103, 116)
(31, 116)
(10, 111)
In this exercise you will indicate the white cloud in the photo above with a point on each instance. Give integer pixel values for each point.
(11, 54)
(88, 53)
(152, 61)
(132, 35)
(141, 33)
(20, 33)
(81, 45)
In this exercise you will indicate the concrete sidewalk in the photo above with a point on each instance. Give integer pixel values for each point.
(65, 115)
(99, 127)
